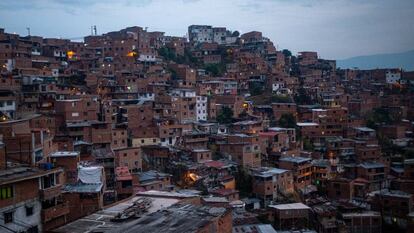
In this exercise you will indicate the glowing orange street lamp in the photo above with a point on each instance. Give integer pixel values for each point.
(132, 54)
(70, 54)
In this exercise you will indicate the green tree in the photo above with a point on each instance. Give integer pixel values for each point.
(255, 88)
(307, 144)
(379, 116)
(287, 53)
(409, 153)
(167, 54)
(287, 121)
(225, 116)
(295, 71)
(280, 99)
(215, 69)
(170, 55)
(243, 182)
(235, 34)
(301, 97)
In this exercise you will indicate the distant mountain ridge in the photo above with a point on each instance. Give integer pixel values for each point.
(404, 60)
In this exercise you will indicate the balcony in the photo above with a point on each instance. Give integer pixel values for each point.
(54, 212)
(31, 99)
(195, 140)
(51, 192)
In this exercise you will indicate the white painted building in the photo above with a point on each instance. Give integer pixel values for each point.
(22, 208)
(231, 39)
(200, 33)
(10, 64)
(219, 35)
(147, 58)
(276, 86)
(59, 53)
(201, 108)
(209, 34)
(393, 76)
(55, 72)
(182, 92)
(147, 96)
(8, 107)
(22, 216)
(168, 141)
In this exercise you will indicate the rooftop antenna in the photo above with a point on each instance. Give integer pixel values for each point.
(94, 30)
(28, 31)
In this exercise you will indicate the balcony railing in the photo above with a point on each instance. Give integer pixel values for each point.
(54, 212)
(51, 192)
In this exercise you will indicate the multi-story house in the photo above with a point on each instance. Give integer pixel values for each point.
(271, 183)
(301, 168)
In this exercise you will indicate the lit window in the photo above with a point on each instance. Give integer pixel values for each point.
(6, 192)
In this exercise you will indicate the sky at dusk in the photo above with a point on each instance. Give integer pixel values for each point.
(337, 29)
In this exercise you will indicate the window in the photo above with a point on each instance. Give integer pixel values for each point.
(126, 184)
(29, 210)
(6, 192)
(33, 230)
(8, 217)
(48, 181)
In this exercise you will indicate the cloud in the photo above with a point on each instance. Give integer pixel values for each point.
(190, 1)
(6, 5)
(74, 4)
